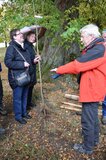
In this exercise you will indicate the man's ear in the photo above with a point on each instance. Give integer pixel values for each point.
(14, 37)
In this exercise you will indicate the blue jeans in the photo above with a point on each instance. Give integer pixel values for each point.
(104, 107)
(90, 124)
(20, 101)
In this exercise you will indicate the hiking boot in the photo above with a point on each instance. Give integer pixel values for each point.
(78, 145)
(2, 131)
(3, 112)
(84, 151)
(104, 120)
(80, 148)
(27, 116)
(22, 121)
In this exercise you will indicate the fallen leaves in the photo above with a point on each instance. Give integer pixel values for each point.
(49, 138)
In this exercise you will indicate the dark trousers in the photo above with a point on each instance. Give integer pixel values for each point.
(90, 124)
(20, 101)
(104, 107)
(30, 91)
(1, 94)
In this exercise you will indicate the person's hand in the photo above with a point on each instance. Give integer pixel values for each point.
(53, 70)
(37, 59)
(26, 64)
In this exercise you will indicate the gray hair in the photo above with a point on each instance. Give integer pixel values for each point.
(91, 29)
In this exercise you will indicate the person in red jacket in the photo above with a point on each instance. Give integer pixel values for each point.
(91, 66)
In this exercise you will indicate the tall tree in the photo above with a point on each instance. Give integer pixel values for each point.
(62, 18)
(54, 55)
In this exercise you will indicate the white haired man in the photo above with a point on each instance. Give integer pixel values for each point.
(92, 67)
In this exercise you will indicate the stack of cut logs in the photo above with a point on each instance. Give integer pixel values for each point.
(73, 106)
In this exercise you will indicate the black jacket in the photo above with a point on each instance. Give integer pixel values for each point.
(15, 62)
(30, 49)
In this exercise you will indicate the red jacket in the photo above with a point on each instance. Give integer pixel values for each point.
(92, 66)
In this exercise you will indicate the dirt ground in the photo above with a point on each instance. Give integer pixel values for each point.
(47, 136)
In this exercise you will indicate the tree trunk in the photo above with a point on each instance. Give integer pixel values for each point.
(54, 56)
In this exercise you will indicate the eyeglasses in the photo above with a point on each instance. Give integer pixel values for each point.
(18, 33)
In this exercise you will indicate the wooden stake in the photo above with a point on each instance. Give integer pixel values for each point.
(72, 104)
(70, 108)
(73, 97)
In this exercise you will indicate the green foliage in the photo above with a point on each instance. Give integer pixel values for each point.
(88, 12)
(72, 30)
(51, 15)
(94, 11)
(20, 13)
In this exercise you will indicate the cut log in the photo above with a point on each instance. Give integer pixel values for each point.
(78, 106)
(76, 98)
(77, 109)
(73, 97)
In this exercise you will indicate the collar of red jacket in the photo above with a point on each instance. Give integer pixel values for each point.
(92, 44)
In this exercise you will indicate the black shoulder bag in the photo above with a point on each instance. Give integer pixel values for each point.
(22, 79)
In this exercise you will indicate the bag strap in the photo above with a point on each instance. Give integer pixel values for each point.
(22, 58)
(19, 53)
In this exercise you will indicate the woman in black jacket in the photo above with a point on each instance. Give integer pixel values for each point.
(16, 65)
(29, 40)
